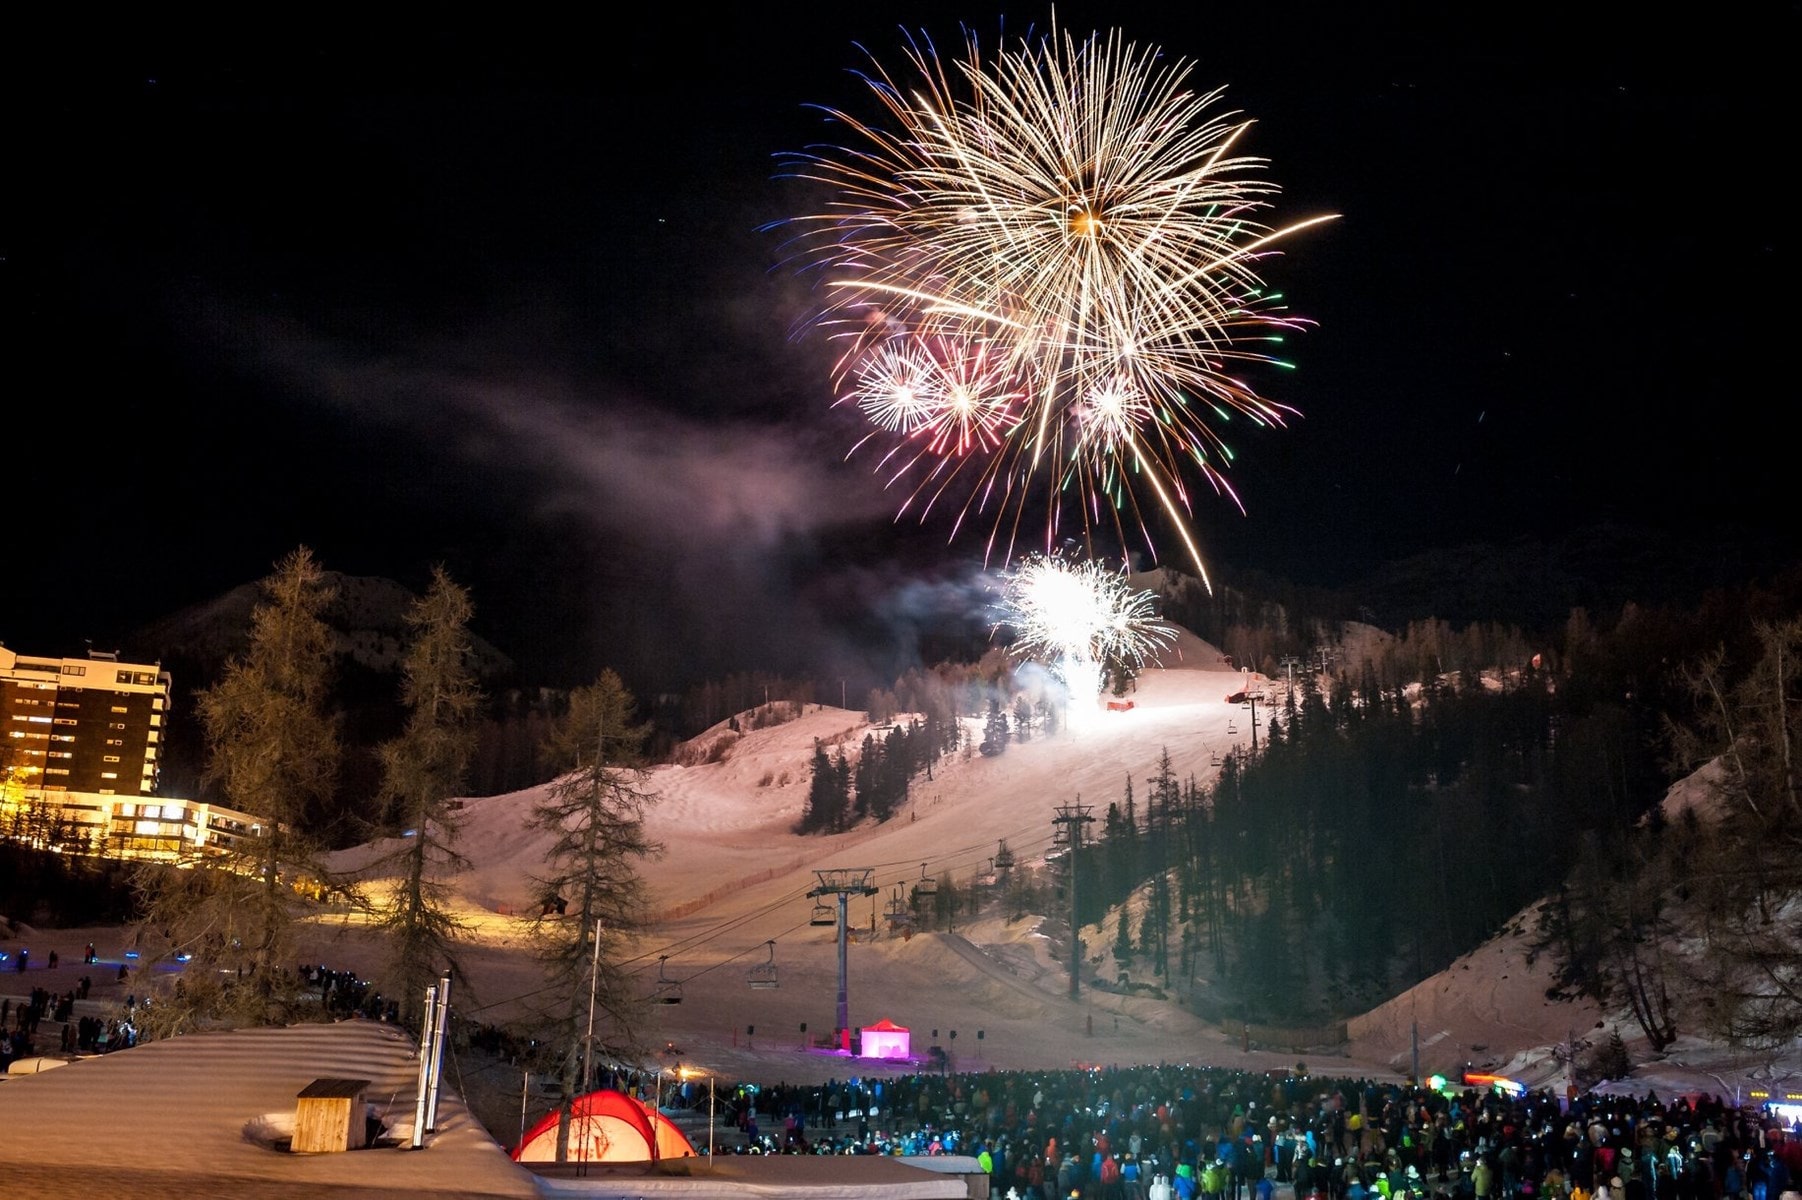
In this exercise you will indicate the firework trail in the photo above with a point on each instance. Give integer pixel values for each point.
(1080, 619)
(1067, 231)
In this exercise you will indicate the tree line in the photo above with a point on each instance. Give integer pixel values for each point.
(1403, 809)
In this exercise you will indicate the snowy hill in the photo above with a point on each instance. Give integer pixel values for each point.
(735, 878)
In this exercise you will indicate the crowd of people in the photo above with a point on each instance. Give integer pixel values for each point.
(1131, 1133)
(19, 1025)
(339, 993)
(1185, 1132)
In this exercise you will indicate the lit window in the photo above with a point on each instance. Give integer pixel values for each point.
(109, 758)
(72, 669)
(124, 677)
(107, 774)
(120, 708)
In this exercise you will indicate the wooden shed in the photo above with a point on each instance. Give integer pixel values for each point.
(330, 1117)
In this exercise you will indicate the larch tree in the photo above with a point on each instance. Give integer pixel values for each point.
(422, 770)
(1744, 866)
(592, 899)
(272, 752)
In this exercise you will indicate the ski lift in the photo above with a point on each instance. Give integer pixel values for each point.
(823, 915)
(1214, 757)
(1060, 836)
(1004, 858)
(762, 977)
(669, 991)
(1231, 727)
(927, 886)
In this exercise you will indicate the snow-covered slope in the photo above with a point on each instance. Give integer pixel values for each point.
(731, 891)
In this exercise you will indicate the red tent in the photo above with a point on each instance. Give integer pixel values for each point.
(885, 1039)
(606, 1126)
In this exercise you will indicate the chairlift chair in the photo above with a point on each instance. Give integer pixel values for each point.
(1004, 858)
(823, 915)
(669, 991)
(762, 977)
(927, 886)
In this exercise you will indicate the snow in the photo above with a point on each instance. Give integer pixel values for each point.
(735, 877)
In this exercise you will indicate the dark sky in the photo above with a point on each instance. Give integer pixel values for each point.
(498, 296)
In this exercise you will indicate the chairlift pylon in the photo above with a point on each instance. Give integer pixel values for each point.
(762, 977)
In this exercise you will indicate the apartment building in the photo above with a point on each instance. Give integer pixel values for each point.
(80, 745)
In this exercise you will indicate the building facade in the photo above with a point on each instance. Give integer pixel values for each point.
(80, 747)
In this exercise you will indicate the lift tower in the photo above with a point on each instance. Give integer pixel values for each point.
(1070, 819)
(843, 883)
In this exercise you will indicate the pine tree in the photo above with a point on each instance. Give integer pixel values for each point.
(823, 799)
(272, 752)
(1022, 719)
(994, 731)
(841, 780)
(1123, 939)
(869, 769)
(422, 770)
(592, 897)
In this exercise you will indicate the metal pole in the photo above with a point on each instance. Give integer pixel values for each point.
(844, 995)
(425, 1066)
(594, 975)
(1075, 928)
(443, 1015)
(525, 1090)
(656, 1105)
(710, 1119)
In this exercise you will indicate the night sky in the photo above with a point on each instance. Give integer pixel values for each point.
(501, 298)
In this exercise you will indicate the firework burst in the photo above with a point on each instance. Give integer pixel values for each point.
(1080, 619)
(1073, 218)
